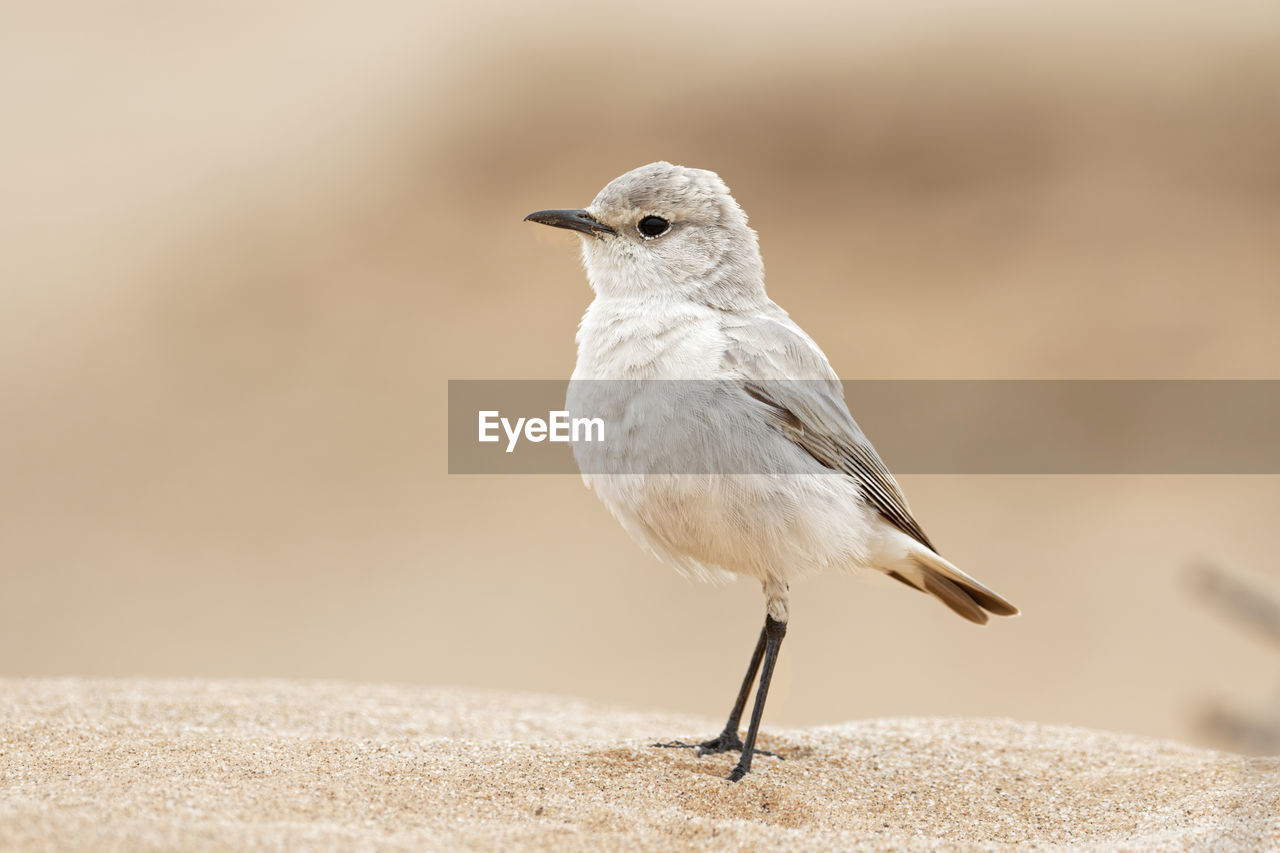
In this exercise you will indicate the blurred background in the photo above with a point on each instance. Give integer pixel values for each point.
(246, 245)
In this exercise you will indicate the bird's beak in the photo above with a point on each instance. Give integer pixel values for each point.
(574, 220)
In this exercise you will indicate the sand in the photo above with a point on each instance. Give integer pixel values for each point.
(276, 765)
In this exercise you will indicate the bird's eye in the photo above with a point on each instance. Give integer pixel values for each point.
(652, 226)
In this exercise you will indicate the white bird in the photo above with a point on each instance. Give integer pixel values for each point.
(679, 295)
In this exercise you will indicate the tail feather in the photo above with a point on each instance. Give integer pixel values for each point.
(954, 588)
(954, 596)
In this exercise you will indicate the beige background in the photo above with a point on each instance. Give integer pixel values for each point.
(246, 246)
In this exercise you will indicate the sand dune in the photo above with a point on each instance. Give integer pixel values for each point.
(200, 765)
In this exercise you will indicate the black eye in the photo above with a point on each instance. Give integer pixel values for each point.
(652, 226)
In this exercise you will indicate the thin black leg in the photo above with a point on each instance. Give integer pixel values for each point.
(728, 739)
(772, 637)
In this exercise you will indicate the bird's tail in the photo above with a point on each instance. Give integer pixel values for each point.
(928, 572)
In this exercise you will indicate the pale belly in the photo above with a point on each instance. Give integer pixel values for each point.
(775, 527)
(698, 477)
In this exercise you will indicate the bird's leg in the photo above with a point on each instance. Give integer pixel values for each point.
(728, 739)
(774, 631)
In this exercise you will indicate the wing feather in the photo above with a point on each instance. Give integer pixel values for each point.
(784, 371)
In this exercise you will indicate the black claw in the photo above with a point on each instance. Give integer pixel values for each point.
(726, 742)
(738, 773)
(715, 747)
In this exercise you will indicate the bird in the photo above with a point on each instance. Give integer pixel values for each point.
(751, 464)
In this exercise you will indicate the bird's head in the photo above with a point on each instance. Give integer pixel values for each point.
(666, 231)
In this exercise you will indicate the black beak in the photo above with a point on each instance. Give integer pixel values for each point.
(574, 220)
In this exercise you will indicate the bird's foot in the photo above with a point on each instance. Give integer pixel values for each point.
(726, 741)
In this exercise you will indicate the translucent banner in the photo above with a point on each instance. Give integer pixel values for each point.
(917, 426)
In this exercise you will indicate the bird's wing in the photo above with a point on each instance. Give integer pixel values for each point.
(784, 371)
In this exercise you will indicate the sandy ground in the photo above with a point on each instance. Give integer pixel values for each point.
(233, 765)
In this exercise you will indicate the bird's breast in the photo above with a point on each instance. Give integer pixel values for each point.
(619, 339)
